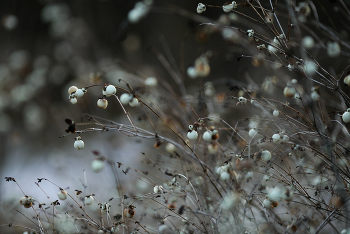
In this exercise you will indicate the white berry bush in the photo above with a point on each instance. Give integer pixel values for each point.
(261, 150)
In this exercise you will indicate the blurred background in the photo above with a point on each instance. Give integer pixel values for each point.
(48, 45)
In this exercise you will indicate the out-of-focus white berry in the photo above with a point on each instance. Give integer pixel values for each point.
(134, 102)
(242, 100)
(333, 49)
(274, 194)
(347, 80)
(151, 81)
(346, 116)
(162, 228)
(110, 90)
(125, 98)
(266, 155)
(227, 7)
(192, 72)
(249, 175)
(170, 148)
(192, 135)
(103, 103)
(224, 176)
(276, 113)
(62, 195)
(89, 200)
(140, 10)
(250, 32)
(78, 144)
(207, 135)
(285, 138)
(276, 138)
(272, 49)
(201, 8)
(234, 4)
(308, 42)
(289, 91)
(97, 165)
(73, 100)
(158, 189)
(252, 133)
(267, 203)
(115, 229)
(72, 89)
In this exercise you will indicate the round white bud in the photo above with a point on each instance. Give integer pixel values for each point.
(134, 102)
(276, 138)
(125, 98)
(62, 195)
(192, 135)
(266, 155)
(276, 113)
(207, 135)
(97, 165)
(110, 90)
(89, 200)
(103, 103)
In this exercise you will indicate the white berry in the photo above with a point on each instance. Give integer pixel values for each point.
(110, 90)
(227, 7)
(62, 195)
(276, 138)
(103, 103)
(151, 82)
(97, 165)
(134, 102)
(267, 203)
(72, 89)
(89, 200)
(276, 113)
(207, 135)
(192, 135)
(289, 91)
(266, 155)
(78, 144)
(201, 8)
(346, 116)
(73, 100)
(125, 98)
(79, 93)
(252, 133)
